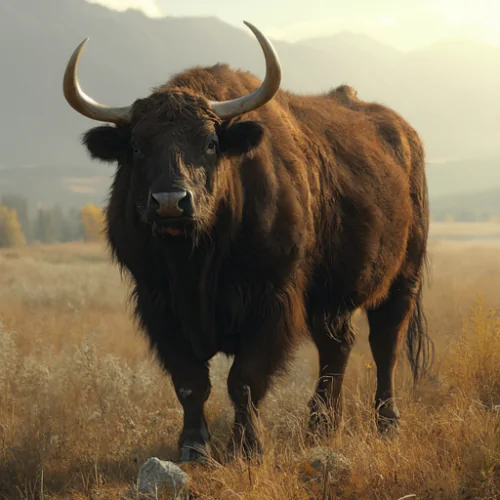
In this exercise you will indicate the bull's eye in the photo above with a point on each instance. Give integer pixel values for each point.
(212, 147)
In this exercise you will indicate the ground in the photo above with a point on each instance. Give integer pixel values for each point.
(83, 404)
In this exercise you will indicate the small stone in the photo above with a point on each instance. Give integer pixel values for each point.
(322, 462)
(158, 475)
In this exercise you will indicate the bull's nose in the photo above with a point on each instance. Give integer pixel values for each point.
(168, 203)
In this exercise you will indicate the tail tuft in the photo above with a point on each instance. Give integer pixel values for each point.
(420, 346)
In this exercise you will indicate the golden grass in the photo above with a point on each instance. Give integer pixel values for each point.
(82, 404)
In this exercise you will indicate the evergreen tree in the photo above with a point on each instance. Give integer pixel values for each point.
(75, 226)
(46, 231)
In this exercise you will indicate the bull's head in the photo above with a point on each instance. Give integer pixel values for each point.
(174, 143)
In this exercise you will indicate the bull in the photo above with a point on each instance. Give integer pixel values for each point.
(250, 218)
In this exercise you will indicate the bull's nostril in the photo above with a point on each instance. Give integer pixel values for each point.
(169, 203)
(186, 202)
(169, 198)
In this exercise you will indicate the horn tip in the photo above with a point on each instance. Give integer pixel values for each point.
(250, 25)
(82, 44)
(79, 48)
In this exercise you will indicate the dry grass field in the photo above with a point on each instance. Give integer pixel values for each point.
(82, 403)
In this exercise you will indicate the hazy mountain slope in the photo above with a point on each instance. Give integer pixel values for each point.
(471, 175)
(479, 205)
(458, 110)
(127, 55)
(355, 44)
(51, 184)
(449, 91)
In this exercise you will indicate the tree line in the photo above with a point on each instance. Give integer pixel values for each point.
(49, 224)
(54, 225)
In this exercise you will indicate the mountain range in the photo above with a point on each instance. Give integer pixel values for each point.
(448, 91)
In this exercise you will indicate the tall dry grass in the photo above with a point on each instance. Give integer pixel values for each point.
(82, 403)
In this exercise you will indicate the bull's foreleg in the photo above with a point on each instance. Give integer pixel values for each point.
(189, 374)
(192, 386)
(246, 387)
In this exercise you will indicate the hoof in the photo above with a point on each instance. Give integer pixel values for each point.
(388, 420)
(192, 452)
(322, 423)
(248, 450)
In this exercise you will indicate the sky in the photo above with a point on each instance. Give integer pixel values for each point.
(404, 24)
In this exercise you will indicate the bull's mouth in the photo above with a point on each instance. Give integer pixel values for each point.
(173, 227)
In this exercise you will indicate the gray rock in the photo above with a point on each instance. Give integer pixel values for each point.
(322, 463)
(156, 475)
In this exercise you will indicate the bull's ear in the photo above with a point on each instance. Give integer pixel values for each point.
(107, 143)
(239, 138)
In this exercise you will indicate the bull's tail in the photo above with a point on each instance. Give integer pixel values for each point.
(419, 344)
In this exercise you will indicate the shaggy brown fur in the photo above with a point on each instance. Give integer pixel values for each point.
(310, 208)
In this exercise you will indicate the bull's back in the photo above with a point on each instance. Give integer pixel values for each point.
(368, 179)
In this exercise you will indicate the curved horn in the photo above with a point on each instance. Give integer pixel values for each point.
(84, 104)
(259, 97)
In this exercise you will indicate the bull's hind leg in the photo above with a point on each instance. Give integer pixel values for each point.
(334, 344)
(388, 323)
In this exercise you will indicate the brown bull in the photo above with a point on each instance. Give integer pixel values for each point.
(243, 236)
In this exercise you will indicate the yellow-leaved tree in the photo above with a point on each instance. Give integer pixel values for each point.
(11, 233)
(93, 222)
